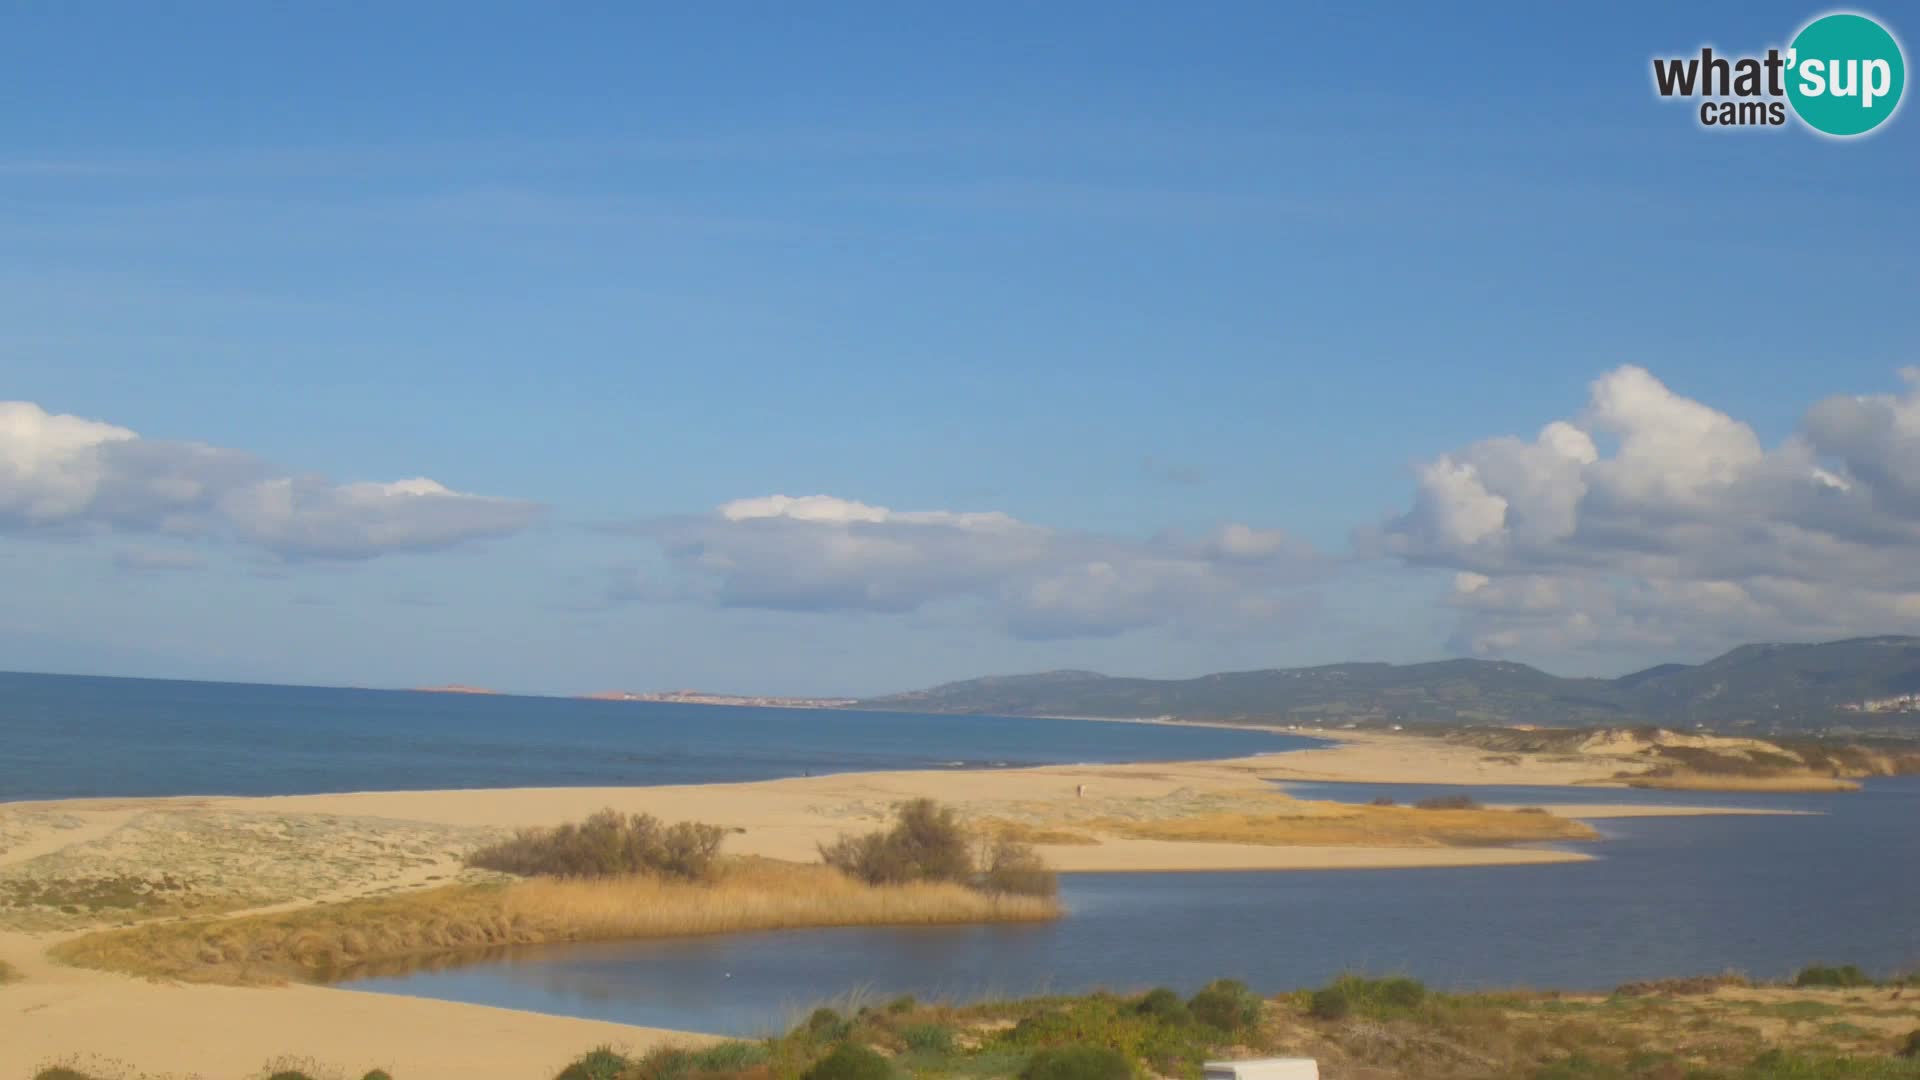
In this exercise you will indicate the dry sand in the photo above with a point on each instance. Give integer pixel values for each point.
(164, 857)
(60, 1014)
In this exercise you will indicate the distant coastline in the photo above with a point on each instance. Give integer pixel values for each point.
(455, 688)
(702, 697)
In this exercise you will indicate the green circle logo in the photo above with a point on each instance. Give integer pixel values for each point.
(1845, 74)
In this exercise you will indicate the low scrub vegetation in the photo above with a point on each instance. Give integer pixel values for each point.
(850, 1061)
(928, 842)
(1078, 1063)
(1380, 1029)
(329, 941)
(273, 1070)
(1845, 975)
(607, 844)
(1377, 999)
(1226, 1005)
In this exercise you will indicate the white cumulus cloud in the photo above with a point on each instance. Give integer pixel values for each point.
(823, 553)
(63, 474)
(1685, 531)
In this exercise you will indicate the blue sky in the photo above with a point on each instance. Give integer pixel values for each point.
(1124, 275)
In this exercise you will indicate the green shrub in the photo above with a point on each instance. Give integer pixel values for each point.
(927, 842)
(1078, 1063)
(60, 1072)
(1042, 1028)
(661, 1063)
(929, 1038)
(1402, 993)
(1381, 998)
(905, 1003)
(1226, 1004)
(1013, 867)
(288, 1074)
(729, 1057)
(1911, 1048)
(1845, 975)
(597, 1064)
(377, 1074)
(1163, 1005)
(850, 1061)
(605, 845)
(825, 1024)
(1330, 1003)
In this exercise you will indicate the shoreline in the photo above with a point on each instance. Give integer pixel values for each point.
(317, 849)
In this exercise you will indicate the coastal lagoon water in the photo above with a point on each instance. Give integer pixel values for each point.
(64, 736)
(1665, 897)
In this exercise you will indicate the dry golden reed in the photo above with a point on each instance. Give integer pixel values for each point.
(1358, 826)
(322, 941)
(1021, 832)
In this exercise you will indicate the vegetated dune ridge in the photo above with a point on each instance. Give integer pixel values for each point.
(67, 868)
(1680, 761)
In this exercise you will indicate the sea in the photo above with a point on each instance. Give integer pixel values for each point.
(65, 736)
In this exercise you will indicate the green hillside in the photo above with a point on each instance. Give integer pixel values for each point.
(1831, 686)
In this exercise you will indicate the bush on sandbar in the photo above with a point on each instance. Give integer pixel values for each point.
(607, 844)
(928, 842)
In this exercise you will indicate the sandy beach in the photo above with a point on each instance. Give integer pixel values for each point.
(228, 855)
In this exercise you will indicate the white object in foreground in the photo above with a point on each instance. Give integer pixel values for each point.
(1263, 1069)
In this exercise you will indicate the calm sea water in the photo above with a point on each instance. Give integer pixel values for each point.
(65, 736)
(1666, 897)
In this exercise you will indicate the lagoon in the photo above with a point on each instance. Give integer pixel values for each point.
(1665, 897)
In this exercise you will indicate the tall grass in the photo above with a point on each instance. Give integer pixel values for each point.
(327, 941)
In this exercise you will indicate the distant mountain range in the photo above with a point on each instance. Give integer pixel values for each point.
(1861, 685)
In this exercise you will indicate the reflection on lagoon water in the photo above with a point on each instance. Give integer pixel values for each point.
(1665, 897)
